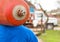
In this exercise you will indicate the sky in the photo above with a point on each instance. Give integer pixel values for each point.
(47, 5)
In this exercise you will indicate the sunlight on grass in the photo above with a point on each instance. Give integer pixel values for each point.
(51, 36)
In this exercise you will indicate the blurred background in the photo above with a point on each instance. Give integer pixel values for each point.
(44, 19)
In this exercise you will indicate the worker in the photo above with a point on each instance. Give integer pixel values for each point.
(16, 34)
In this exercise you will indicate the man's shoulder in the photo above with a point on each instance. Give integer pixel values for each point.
(32, 37)
(27, 30)
(24, 28)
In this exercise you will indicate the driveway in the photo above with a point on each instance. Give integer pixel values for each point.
(40, 40)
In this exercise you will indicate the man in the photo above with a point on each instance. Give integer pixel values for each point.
(16, 34)
(12, 14)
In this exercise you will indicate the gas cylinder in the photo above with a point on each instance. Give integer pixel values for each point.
(13, 12)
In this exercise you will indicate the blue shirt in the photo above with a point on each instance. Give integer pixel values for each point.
(16, 34)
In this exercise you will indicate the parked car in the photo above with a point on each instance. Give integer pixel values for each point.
(38, 17)
(50, 23)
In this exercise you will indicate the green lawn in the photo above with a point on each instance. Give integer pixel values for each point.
(51, 36)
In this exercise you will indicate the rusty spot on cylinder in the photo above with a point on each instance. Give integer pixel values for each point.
(20, 13)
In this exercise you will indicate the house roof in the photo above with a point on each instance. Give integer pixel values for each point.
(29, 3)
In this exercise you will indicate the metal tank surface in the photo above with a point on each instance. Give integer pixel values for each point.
(13, 12)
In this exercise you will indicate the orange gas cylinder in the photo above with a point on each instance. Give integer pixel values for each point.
(13, 12)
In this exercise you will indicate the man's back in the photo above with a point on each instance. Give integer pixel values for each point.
(16, 34)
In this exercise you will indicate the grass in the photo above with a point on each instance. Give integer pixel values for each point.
(51, 36)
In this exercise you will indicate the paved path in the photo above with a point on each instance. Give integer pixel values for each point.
(40, 40)
(57, 28)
